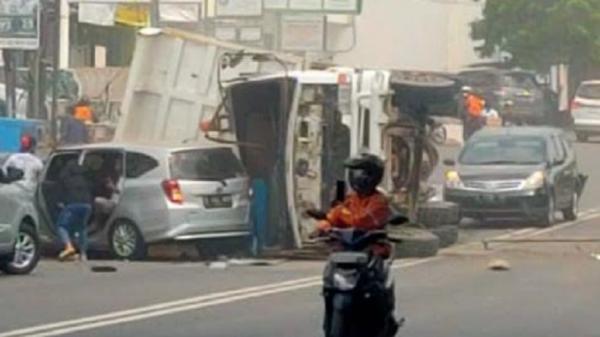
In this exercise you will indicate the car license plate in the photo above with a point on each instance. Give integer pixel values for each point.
(218, 201)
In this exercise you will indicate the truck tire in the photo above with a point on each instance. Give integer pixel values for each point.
(439, 213)
(447, 234)
(414, 242)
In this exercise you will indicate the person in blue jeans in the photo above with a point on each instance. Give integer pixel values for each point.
(76, 210)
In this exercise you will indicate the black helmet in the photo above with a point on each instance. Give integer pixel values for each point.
(365, 172)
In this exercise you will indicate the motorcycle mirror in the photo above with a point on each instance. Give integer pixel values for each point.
(398, 219)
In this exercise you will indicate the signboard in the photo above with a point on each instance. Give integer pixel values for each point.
(276, 4)
(320, 6)
(303, 32)
(19, 24)
(341, 5)
(237, 8)
(311, 5)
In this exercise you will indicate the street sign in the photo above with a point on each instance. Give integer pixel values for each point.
(303, 32)
(238, 8)
(315, 6)
(19, 24)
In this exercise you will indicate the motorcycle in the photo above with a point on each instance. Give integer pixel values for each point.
(358, 287)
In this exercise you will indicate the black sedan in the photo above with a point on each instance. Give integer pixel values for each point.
(516, 172)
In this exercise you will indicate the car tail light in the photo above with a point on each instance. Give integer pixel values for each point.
(173, 191)
(575, 104)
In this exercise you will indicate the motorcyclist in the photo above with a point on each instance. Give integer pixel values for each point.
(474, 106)
(365, 208)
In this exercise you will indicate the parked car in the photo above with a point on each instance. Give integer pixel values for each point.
(165, 194)
(528, 172)
(585, 110)
(19, 240)
(515, 94)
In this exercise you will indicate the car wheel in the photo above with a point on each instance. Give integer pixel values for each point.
(27, 252)
(570, 213)
(549, 218)
(582, 137)
(126, 241)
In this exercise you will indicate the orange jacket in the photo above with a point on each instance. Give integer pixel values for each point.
(366, 213)
(84, 113)
(474, 105)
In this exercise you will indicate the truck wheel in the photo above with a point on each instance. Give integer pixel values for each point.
(447, 234)
(126, 241)
(27, 252)
(570, 213)
(414, 242)
(439, 213)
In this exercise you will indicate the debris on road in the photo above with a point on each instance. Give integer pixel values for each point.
(103, 269)
(499, 265)
(596, 256)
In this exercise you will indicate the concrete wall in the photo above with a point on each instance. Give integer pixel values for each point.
(412, 34)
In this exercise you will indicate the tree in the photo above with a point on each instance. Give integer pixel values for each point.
(541, 33)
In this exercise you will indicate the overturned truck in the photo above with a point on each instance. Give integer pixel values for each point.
(295, 128)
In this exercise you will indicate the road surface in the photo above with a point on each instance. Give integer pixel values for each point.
(550, 290)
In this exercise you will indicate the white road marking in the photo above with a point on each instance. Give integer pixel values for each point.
(204, 301)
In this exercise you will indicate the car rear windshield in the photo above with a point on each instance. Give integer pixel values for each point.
(505, 150)
(589, 91)
(206, 164)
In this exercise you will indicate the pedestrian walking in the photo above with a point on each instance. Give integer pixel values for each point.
(73, 130)
(25, 161)
(76, 210)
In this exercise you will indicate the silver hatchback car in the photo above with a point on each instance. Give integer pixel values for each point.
(162, 194)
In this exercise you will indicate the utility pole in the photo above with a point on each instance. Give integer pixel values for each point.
(8, 57)
(154, 13)
(55, 68)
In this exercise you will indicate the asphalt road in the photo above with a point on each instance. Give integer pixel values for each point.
(550, 290)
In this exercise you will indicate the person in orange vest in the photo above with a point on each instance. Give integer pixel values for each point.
(83, 110)
(474, 106)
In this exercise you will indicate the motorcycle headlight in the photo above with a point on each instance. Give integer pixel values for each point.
(453, 180)
(345, 281)
(535, 181)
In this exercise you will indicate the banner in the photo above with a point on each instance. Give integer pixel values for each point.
(133, 15)
(19, 24)
(97, 14)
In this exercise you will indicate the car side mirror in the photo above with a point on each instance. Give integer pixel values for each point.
(449, 162)
(13, 174)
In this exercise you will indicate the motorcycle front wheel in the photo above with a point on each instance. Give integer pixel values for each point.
(339, 325)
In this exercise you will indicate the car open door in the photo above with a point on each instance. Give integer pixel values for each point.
(48, 194)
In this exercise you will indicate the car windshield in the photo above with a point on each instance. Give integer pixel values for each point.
(589, 91)
(504, 150)
(206, 164)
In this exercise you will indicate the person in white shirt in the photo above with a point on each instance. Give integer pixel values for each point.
(489, 112)
(25, 161)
